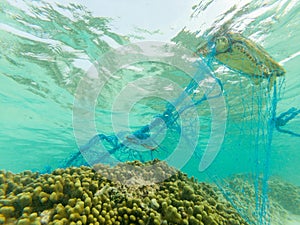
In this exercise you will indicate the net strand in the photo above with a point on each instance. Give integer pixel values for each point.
(169, 117)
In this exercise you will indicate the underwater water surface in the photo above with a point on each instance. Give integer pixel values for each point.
(49, 47)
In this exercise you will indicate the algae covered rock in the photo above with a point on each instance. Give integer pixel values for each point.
(111, 195)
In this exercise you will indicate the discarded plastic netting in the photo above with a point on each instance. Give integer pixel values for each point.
(252, 118)
(243, 168)
(141, 144)
(284, 118)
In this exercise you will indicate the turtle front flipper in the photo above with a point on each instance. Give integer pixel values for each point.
(272, 81)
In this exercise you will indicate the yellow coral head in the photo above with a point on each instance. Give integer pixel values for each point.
(222, 44)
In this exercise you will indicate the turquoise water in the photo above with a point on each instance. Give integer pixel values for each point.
(47, 49)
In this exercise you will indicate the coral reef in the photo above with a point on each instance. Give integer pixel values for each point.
(283, 198)
(82, 195)
(285, 194)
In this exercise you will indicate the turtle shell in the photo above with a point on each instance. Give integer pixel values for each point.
(243, 55)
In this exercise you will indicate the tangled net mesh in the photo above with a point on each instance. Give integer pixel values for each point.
(246, 149)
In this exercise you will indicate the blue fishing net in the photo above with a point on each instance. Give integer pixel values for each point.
(142, 143)
(255, 115)
(252, 120)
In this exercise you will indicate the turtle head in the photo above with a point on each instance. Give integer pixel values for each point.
(221, 44)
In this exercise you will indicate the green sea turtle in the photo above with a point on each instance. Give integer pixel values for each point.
(243, 55)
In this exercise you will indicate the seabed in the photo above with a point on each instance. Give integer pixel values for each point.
(131, 193)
